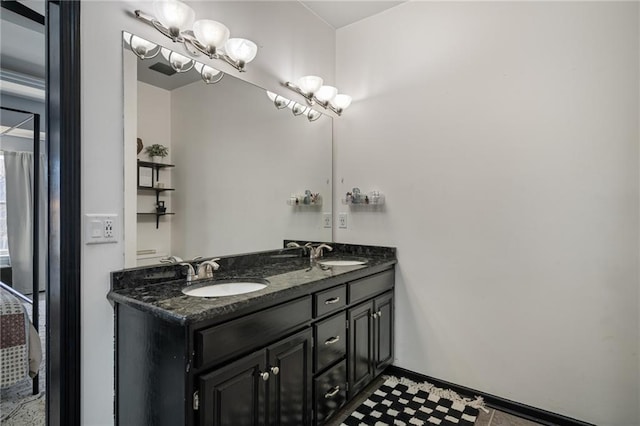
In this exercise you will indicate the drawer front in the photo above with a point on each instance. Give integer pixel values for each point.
(225, 341)
(330, 340)
(330, 392)
(368, 287)
(331, 300)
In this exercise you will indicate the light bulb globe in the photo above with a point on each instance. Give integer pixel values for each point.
(174, 15)
(241, 50)
(309, 84)
(211, 34)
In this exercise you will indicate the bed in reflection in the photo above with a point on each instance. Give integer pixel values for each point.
(20, 348)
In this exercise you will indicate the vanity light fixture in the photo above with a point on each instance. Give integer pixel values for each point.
(175, 19)
(313, 90)
(297, 109)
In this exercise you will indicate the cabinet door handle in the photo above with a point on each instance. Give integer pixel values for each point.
(374, 315)
(332, 340)
(332, 300)
(379, 314)
(275, 371)
(264, 375)
(333, 393)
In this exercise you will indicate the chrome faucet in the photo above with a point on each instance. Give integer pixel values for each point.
(294, 245)
(206, 268)
(190, 272)
(316, 252)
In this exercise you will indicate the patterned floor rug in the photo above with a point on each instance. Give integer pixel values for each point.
(403, 402)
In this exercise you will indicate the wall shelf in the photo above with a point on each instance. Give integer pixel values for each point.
(157, 215)
(357, 198)
(144, 188)
(147, 183)
(308, 199)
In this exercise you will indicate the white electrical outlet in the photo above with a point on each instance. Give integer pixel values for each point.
(100, 228)
(326, 220)
(342, 220)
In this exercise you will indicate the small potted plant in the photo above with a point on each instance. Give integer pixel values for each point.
(157, 152)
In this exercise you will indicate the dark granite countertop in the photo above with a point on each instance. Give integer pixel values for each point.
(158, 289)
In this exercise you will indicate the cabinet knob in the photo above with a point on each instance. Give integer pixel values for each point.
(332, 340)
(332, 393)
(374, 315)
(332, 300)
(264, 375)
(275, 371)
(379, 314)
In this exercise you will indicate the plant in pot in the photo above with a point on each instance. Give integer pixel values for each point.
(157, 152)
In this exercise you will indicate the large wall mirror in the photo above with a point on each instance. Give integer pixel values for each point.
(237, 168)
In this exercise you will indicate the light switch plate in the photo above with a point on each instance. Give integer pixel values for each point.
(100, 228)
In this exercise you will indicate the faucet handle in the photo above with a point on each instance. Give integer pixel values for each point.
(171, 259)
(190, 271)
(292, 244)
(206, 268)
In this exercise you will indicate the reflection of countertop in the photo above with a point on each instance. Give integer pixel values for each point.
(158, 289)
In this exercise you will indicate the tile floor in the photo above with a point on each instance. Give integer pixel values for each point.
(492, 418)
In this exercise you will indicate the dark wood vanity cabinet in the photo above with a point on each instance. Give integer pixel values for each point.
(293, 363)
(271, 386)
(370, 340)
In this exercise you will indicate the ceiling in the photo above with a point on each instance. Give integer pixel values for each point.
(339, 13)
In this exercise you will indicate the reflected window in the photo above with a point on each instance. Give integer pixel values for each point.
(4, 241)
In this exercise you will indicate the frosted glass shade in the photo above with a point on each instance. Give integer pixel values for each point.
(313, 115)
(240, 49)
(341, 101)
(141, 46)
(297, 109)
(326, 93)
(309, 84)
(177, 61)
(174, 14)
(208, 73)
(211, 34)
(279, 101)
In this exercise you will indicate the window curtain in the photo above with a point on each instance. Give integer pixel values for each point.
(20, 214)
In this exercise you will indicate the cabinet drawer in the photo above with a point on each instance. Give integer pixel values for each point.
(330, 300)
(330, 340)
(330, 392)
(370, 286)
(222, 342)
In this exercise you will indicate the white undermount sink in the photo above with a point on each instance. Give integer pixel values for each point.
(224, 288)
(341, 262)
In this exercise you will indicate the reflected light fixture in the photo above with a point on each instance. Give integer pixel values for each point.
(316, 93)
(143, 49)
(209, 74)
(176, 20)
(279, 101)
(297, 109)
(180, 63)
(177, 61)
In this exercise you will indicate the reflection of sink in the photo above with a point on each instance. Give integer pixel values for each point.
(341, 262)
(223, 288)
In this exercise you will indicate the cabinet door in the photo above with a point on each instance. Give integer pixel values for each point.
(234, 395)
(383, 331)
(290, 381)
(360, 352)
